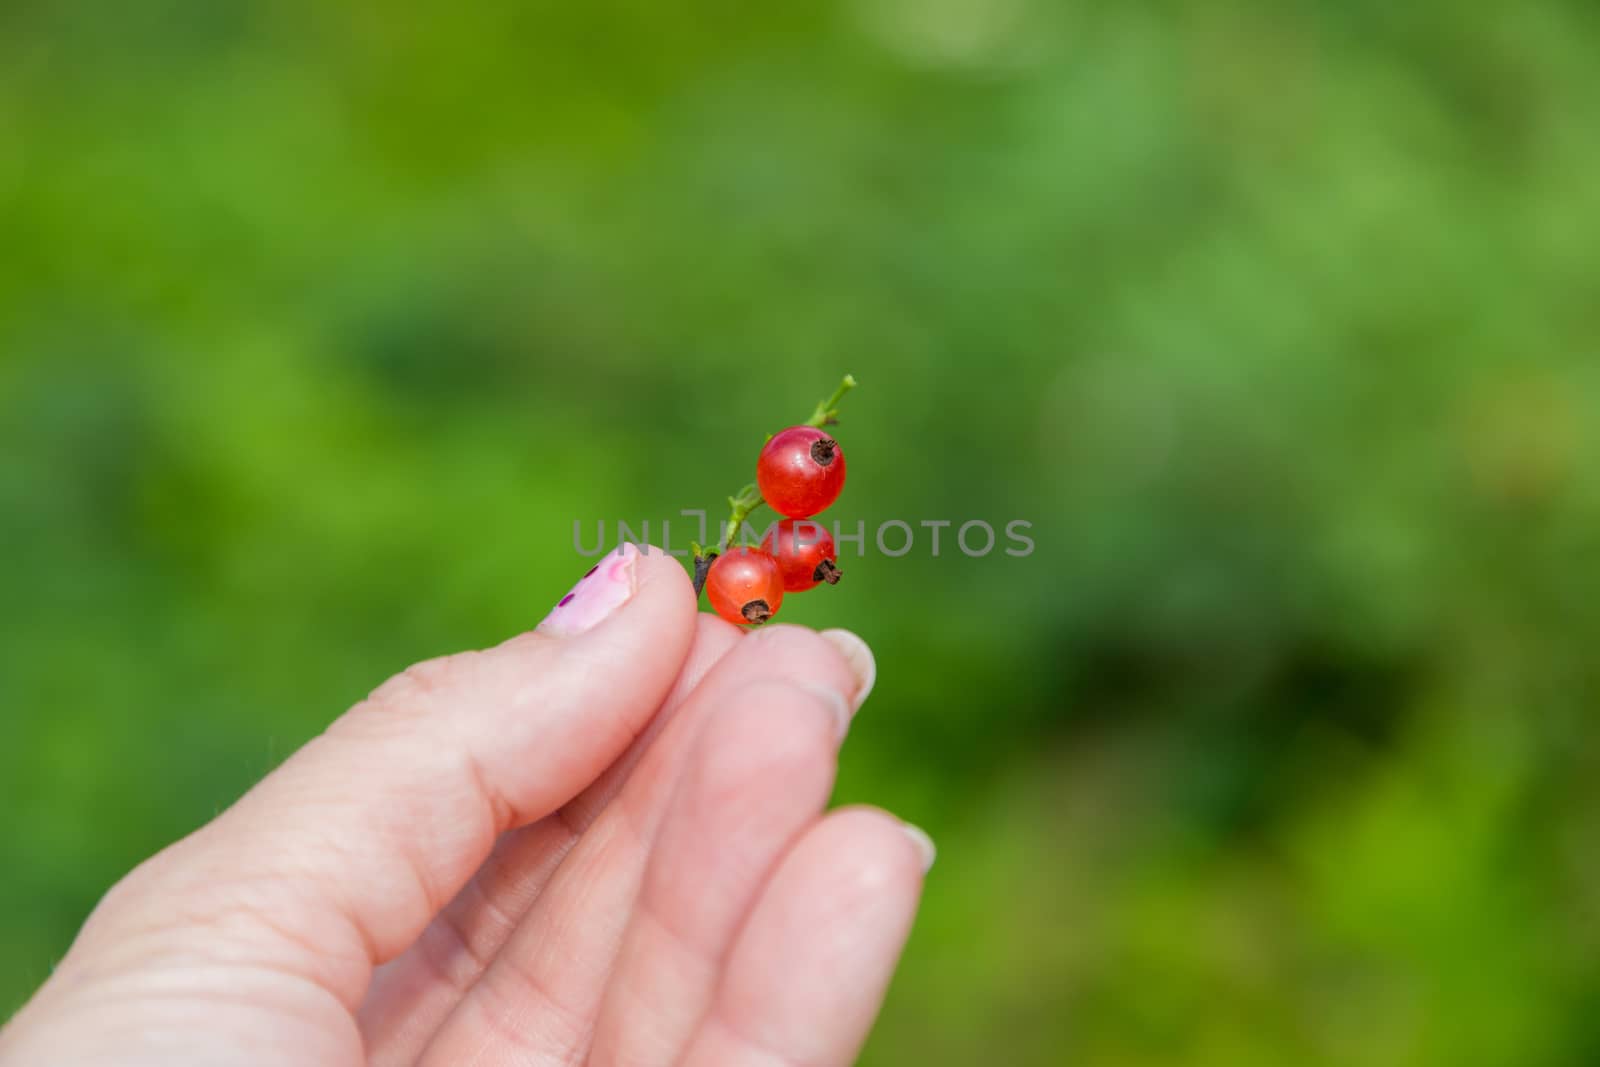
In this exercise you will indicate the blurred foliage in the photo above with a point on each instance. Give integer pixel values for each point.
(321, 323)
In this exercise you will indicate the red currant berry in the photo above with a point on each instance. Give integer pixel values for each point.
(744, 586)
(805, 554)
(800, 471)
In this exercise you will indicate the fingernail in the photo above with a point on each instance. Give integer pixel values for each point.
(862, 665)
(606, 587)
(924, 844)
(836, 704)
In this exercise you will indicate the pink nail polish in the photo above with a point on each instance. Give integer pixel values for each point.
(606, 587)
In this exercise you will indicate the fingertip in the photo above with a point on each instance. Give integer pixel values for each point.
(605, 588)
(663, 594)
(816, 954)
(876, 850)
(923, 844)
(862, 663)
(634, 589)
(777, 727)
(657, 567)
(714, 628)
(803, 653)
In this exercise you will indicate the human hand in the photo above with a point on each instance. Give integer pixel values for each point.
(601, 842)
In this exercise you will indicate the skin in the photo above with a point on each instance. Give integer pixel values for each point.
(604, 847)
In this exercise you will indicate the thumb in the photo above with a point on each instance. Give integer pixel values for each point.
(337, 860)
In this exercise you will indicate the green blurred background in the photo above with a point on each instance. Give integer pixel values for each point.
(320, 323)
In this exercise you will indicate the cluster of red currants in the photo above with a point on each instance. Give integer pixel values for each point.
(799, 474)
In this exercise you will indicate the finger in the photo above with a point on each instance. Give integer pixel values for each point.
(412, 994)
(539, 998)
(760, 774)
(808, 974)
(336, 861)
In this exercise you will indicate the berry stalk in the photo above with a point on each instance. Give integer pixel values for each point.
(827, 412)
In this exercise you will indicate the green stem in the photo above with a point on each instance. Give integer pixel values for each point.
(748, 500)
(827, 412)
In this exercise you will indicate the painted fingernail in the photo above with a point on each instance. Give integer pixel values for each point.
(862, 665)
(608, 585)
(836, 705)
(924, 843)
